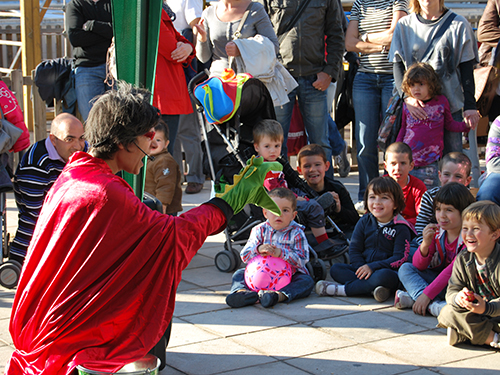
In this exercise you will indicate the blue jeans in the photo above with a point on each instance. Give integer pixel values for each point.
(489, 189)
(371, 93)
(415, 281)
(346, 274)
(453, 140)
(314, 110)
(300, 286)
(89, 83)
(337, 143)
(173, 125)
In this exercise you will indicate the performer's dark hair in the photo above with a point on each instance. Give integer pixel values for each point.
(119, 116)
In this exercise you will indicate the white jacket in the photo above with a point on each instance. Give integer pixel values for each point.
(258, 58)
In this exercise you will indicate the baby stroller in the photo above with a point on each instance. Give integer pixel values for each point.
(10, 270)
(229, 144)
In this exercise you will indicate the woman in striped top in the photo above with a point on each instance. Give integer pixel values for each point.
(369, 33)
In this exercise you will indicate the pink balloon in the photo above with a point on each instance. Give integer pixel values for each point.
(267, 273)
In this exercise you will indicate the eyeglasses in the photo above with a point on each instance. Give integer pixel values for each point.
(150, 135)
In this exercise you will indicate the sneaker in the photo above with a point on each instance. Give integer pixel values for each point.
(269, 299)
(381, 293)
(322, 285)
(342, 162)
(360, 207)
(193, 188)
(435, 307)
(402, 300)
(454, 338)
(242, 298)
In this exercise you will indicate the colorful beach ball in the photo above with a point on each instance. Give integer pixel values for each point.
(267, 273)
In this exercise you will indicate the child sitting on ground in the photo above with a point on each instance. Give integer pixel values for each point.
(473, 296)
(399, 164)
(163, 176)
(425, 137)
(379, 246)
(312, 164)
(268, 138)
(425, 284)
(279, 237)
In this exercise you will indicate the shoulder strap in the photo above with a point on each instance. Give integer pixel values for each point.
(294, 20)
(237, 33)
(442, 28)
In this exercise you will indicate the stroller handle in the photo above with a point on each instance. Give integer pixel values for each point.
(200, 77)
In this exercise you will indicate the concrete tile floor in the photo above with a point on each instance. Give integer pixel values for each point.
(316, 335)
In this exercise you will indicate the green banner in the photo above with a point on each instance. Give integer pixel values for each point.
(136, 27)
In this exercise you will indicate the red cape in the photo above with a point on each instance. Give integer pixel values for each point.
(99, 280)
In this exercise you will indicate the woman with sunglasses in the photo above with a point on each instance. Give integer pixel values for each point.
(99, 280)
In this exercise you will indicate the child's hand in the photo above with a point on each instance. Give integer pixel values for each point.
(463, 299)
(232, 49)
(420, 305)
(428, 235)
(364, 272)
(471, 118)
(269, 250)
(337, 201)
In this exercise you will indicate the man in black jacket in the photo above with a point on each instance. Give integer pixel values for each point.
(90, 31)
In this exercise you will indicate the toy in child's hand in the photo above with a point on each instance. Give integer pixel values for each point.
(267, 273)
(469, 295)
(248, 187)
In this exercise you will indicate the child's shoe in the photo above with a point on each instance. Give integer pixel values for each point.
(360, 207)
(242, 298)
(322, 285)
(454, 338)
(402, 300)
(268, 298)
(495, 344)
(381, 293)
(435, 307)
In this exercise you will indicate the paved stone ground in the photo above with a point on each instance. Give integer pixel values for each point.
(316, 335)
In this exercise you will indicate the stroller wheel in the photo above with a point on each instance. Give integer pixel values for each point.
(225, 261)
(9, 274)
(317, 269)
(237, 258)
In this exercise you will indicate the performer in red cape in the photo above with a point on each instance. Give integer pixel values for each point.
(99, 280)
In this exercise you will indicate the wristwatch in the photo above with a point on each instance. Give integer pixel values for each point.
(364, 38)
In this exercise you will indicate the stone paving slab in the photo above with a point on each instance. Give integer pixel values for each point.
(291, 341)
(185, 333)
(212, 357)
(229, 322)
(198, 301)
(367, 327)
(487, 364)
(353, 360)
(428, 349)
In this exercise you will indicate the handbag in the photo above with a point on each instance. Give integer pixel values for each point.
(9, 134)
(486, 81)
(391, 123)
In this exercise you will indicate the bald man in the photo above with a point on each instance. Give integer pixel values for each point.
(42, 163)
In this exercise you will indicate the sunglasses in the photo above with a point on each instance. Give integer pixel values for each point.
(150, 135)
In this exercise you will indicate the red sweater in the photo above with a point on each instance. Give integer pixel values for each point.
(413, 193)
